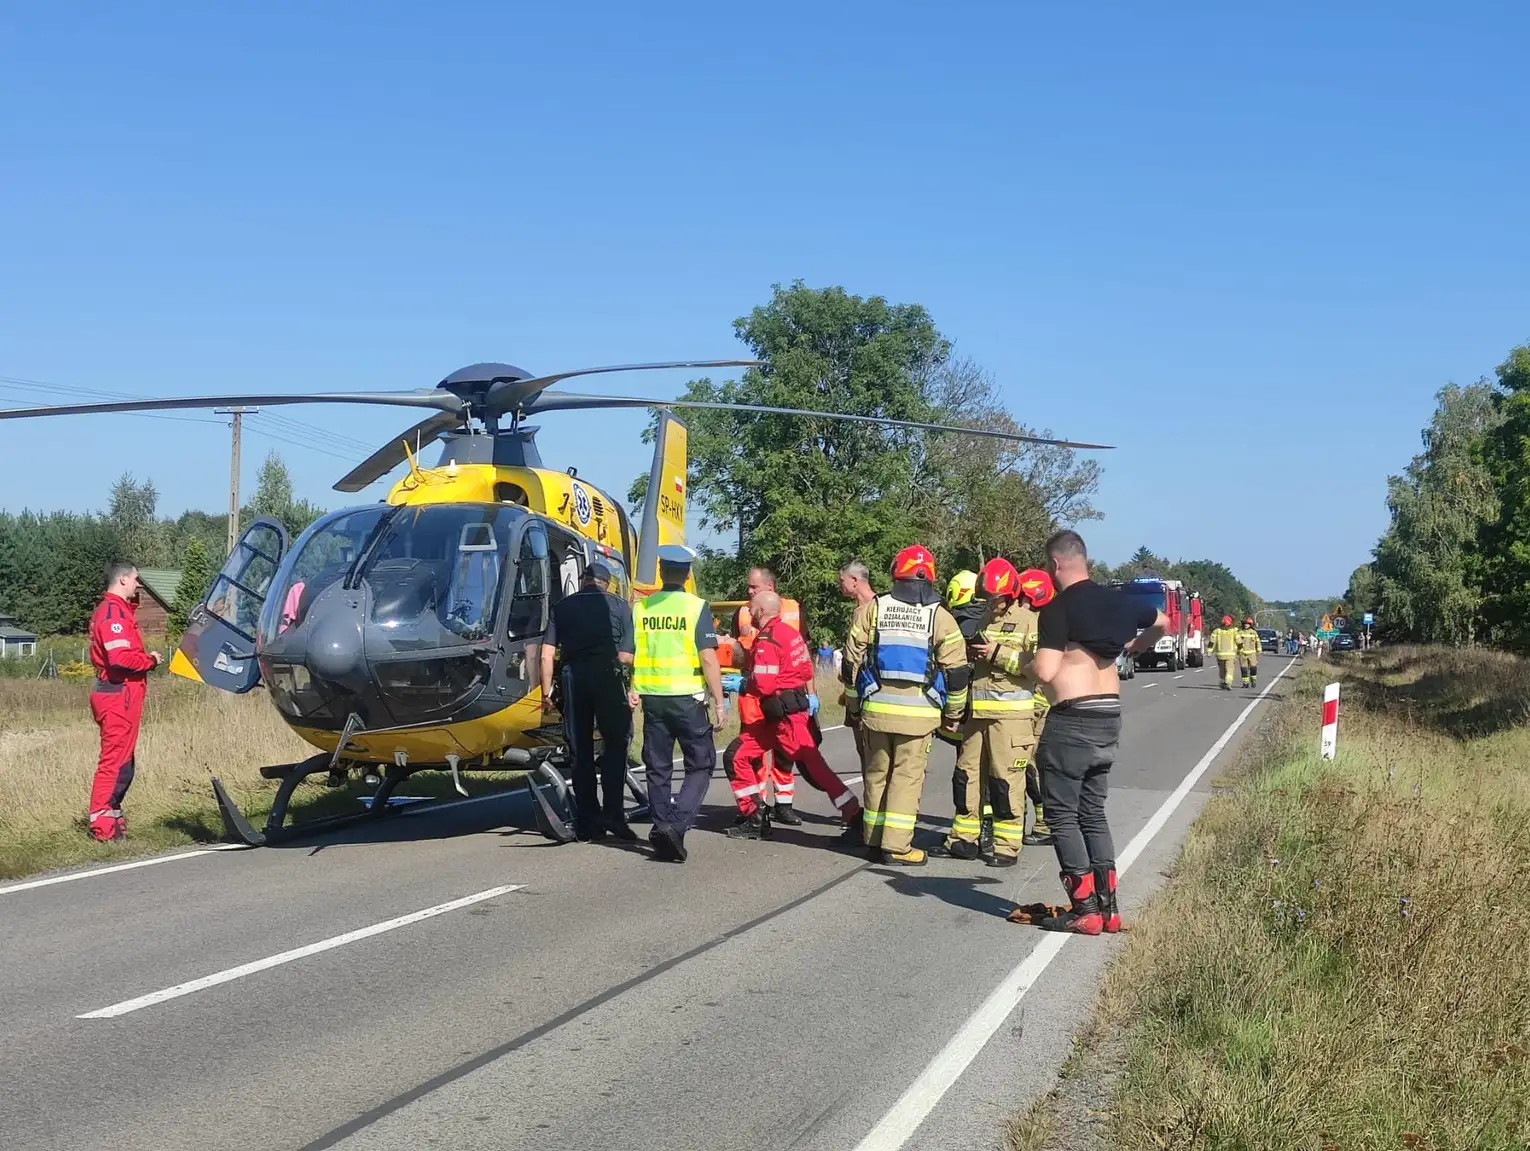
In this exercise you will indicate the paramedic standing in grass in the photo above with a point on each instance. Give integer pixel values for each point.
(1080, 634)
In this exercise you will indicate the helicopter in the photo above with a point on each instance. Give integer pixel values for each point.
(404, 636)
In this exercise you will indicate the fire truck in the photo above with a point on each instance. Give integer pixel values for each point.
(1174, 649)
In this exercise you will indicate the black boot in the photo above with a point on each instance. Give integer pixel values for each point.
(617, 828)
(961, 849)
(1084, 917)
(985, 837)
(783, 814)
(750, 826)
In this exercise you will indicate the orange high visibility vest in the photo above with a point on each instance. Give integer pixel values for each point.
(744, 629)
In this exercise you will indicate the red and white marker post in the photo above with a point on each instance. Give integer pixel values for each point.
(1330, 720)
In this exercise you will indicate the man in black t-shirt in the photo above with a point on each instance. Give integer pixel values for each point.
(1080, 634)
(592, 632)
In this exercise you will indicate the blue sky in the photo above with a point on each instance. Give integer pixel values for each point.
(1247, 245)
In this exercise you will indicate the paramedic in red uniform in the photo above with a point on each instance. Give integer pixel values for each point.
(773, 712)
(116, 701)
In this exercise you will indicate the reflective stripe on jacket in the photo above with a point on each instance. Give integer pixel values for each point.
(666, 661)
(1248, 642)
(1224, 643)
(1004, 684)
(899, 655)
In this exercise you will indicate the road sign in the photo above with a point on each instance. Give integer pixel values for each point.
(1370, 618)
(1340, 623)
(1327, 624)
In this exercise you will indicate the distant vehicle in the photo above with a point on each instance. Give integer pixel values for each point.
(1268, 640)
(1126, 666)
(1343, 642)
(1170, 597)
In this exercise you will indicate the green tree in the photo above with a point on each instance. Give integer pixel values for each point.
(803, 495)
(198, 567)
(1364, 591)
(274, 498)
(131, 511)
(1428, 569)
(1505, 537)
(980, 497)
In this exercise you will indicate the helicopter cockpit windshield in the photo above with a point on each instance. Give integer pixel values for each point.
(441, 559)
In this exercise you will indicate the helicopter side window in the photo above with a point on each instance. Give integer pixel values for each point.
(529, 604)
(568, 555)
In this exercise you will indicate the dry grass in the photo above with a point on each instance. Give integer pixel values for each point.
(1341, 962)
(48, 747)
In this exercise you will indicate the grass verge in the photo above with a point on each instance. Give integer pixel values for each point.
(1340, 961)
(190, 733)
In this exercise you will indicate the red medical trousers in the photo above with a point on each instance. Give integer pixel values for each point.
(117, 709)
(790, 741)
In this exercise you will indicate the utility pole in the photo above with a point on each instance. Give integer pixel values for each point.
(233, 473)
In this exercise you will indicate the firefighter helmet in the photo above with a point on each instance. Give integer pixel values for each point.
(1000, 578)
(1038, 587)
(914, 562)
(961, 589)
(1227, 621)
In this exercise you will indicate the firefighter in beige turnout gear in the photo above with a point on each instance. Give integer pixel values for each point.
(1000, 736)
(1248, 653)
(1224, 645)
(906, 659)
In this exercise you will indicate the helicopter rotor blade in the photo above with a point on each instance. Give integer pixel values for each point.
(428, 398)
(509, 395)
(393, 453)
(571, 401)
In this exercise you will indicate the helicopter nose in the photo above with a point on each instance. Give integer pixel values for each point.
(335, 647)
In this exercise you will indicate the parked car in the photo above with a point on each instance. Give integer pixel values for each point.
(1126, 666)
(1343, 642)
(1268, 640)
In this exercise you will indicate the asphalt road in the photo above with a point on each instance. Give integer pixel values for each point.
(784, 994)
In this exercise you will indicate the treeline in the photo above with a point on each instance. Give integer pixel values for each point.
(52, 563)
(1454, 564)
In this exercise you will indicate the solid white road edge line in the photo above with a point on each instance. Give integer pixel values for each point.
(92, 872)
(916, 1103)
(137, 863)
(296, 953)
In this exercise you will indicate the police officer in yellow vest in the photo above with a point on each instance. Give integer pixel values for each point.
(1248, 652)
(674, 670)
(1224, 645)
(907, 660)
(1000, 736)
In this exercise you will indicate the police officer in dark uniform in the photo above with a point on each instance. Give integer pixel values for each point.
(592, 632)
(674, 673)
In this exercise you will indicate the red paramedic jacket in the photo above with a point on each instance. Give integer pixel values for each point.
(778, 661)
(116, 648)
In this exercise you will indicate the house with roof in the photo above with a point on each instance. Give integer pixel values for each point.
(159, 586)
(15, 641)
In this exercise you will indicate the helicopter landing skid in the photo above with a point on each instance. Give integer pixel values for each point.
(554, 796)
(276, 828)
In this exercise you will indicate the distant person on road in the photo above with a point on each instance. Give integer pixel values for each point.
(1248, 652)
(1079, 635)
(1224, 646)
(116, 700)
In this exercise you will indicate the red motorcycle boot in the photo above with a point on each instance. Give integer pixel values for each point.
(1084, 916)
(1105, 888)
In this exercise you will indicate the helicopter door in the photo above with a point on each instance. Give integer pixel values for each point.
(219, 645)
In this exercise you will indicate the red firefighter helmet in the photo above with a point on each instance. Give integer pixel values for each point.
(1248, 621)
(914, 562)
(1000, 578)
(1227, 621)
(1038, 587)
